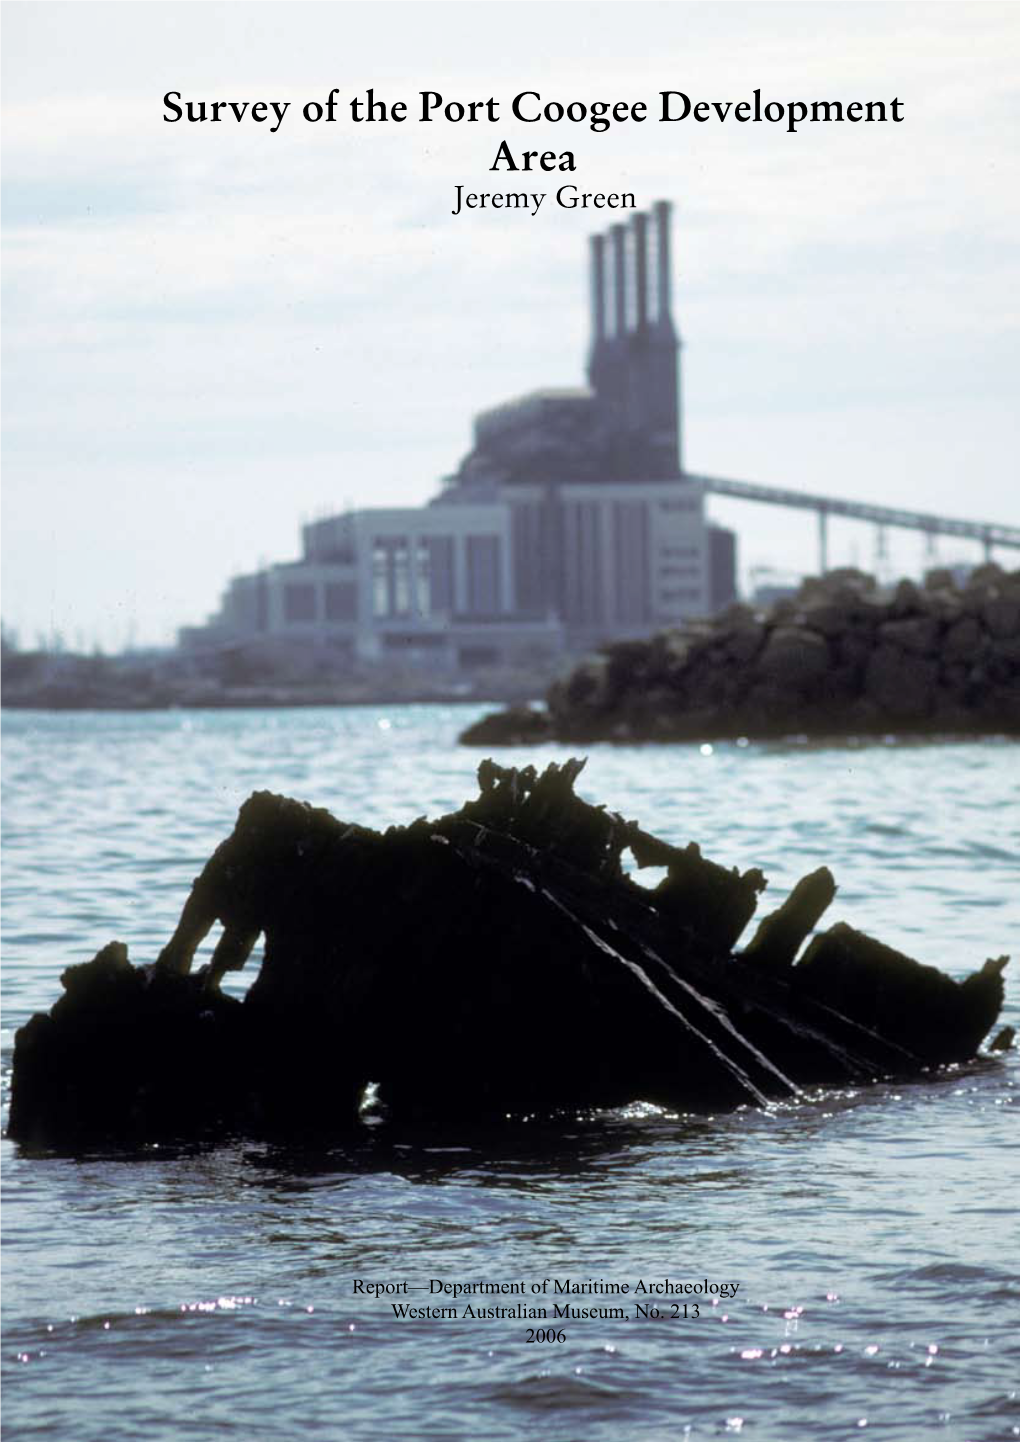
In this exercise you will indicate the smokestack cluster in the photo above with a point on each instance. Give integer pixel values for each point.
(633, 366)
(630, 275)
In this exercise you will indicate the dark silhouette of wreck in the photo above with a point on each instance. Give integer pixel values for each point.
(497, 961)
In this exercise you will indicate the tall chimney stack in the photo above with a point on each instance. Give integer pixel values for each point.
(598, 290)
(619, 235)
(639, 223)
(662, 210)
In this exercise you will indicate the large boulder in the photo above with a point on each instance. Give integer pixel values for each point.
(902, 685)
(516, 726)
(916, 634)
(795, 658)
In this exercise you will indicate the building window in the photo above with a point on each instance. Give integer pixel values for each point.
(630, 560)
(380, 573)
(341, 601)
(483, 576)
(423, 576)
(391, 576)
(299, 601)
(583, 585)
(415, 641)
(472, 656)
(401, 577)
(439, 566)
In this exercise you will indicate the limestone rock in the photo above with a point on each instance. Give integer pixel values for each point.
(795, 657)
(918, 634)
(902, 685)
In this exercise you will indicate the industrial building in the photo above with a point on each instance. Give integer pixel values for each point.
(569, 522)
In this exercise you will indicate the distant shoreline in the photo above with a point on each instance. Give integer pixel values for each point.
(259, 702)
(42, 681)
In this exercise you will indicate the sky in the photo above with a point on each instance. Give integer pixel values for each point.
(213, 333)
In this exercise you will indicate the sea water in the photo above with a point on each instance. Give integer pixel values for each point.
(209, 1292)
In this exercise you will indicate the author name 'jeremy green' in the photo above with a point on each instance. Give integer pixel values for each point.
(568, 197)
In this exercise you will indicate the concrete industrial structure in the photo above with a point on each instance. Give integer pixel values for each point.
(569, 522)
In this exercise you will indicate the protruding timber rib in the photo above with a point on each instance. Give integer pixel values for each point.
(497, 961)
(780, 936)
(916, 1006)
(1003, 1040)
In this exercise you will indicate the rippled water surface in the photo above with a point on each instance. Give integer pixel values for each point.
(209, 1293)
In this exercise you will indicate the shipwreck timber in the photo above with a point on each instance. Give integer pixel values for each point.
(496, 961)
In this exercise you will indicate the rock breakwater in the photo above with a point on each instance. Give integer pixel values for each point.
(840, 657)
